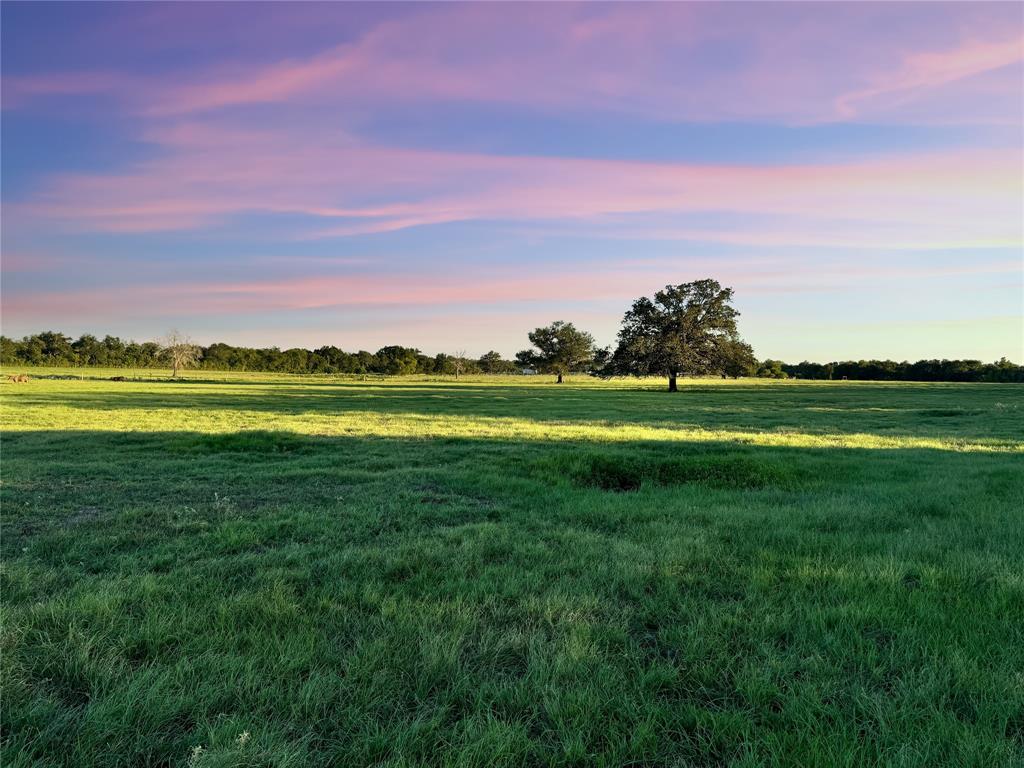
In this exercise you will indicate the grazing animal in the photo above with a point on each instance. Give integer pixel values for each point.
(19, 378)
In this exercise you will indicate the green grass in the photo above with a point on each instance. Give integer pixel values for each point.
(509, 572)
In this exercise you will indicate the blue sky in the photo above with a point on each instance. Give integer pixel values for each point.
(451, 176)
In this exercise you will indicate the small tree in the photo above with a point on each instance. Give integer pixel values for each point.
(397, 361)
(458, 362)
(687, 329)
(179, 350)
(559, 348)
(737, 358)
(491, 362)
(771, 369)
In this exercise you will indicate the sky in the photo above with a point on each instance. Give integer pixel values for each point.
(450, 176)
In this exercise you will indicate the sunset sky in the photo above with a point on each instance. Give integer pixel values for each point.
(451, 176)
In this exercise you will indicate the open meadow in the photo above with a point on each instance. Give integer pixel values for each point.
(260, 570)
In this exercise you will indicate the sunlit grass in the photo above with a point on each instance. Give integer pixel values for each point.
(305, 407)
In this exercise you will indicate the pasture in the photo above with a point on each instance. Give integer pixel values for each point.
(258, 570)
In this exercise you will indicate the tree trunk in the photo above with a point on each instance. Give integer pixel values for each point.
(174, 369)
(672, 383)
(559, 379)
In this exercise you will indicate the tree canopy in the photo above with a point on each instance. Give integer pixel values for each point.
(559, 348)
(687, 329)
(492, 362)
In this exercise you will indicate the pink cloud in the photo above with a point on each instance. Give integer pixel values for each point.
(19, 261)
(212, 165)
(18, 91)
(800, 64)
(572, 291)
(969, 197)
(929, 70)
(275, 83)
(322, 291)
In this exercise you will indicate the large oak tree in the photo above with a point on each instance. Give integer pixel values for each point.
(685, 330)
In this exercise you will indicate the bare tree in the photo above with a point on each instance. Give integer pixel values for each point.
(179, 350)
(459, 363)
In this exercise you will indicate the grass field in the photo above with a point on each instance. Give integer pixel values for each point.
(247, 570)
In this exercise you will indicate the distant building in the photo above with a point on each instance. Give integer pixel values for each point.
(528, 371)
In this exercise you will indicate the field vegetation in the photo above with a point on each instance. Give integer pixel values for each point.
(268, 570)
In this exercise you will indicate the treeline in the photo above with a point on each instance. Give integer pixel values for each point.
(56, 349)
(889, 370)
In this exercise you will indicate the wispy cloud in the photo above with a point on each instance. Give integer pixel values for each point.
(481, 286)
(793, 65)
(928, 70)
(924, 200)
